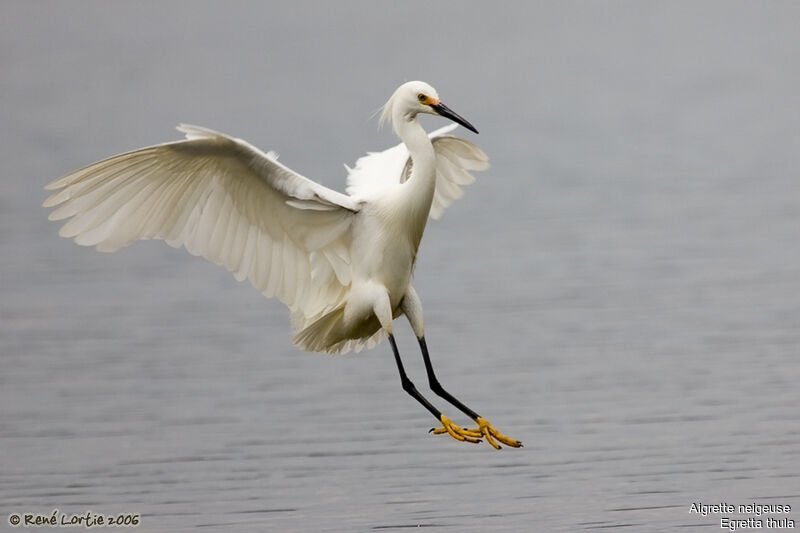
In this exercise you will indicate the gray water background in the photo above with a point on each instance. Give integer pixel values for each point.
(621, 290)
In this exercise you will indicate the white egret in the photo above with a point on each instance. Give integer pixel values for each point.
(342, 263)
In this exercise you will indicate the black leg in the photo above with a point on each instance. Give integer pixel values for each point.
(408, 385)
(437, 387)
(484, 429)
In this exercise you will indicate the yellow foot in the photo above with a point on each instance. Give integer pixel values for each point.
(487, 430)
(484, 429)
(457, 432)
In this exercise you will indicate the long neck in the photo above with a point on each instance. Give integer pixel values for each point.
(422, 181)
(420, 186)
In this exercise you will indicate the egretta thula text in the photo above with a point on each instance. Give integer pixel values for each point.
(342, 263)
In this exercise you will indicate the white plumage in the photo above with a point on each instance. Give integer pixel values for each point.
(455, 159)
(311, 247)
(342, 263)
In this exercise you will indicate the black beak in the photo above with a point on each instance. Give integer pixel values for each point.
(452, 115)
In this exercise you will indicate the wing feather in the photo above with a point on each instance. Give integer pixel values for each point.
(222, 199)
(455, 159)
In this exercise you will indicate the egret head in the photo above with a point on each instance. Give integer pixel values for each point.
(416, 97)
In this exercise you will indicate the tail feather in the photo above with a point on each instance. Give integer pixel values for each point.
(328, 334)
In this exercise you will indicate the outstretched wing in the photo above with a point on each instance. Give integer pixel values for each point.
(225, 200)
(455, 159)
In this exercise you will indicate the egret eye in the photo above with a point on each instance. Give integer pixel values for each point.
(422, 98)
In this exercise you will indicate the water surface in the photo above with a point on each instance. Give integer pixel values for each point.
(621, 291)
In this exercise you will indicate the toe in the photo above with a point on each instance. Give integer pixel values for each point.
(490, 433)
(457, 432)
